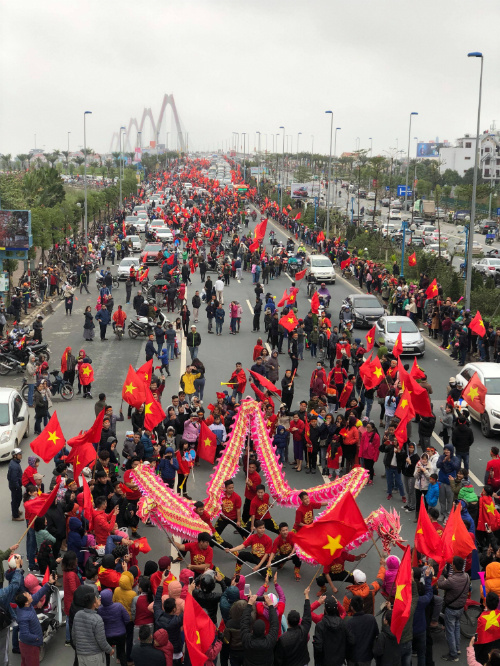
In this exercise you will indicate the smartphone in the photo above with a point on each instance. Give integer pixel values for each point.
(247, 589)
(191, 579)
(475, 637)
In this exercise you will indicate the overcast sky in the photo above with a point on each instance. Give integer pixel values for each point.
(246, 66)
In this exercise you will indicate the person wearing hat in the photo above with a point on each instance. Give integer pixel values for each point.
(331, 636)
(362, 589)
(193, 341)
(258, 645)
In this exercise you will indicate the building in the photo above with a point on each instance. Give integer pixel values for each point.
(460, 157)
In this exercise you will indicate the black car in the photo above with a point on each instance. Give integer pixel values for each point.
(488, 227)
(366, 310)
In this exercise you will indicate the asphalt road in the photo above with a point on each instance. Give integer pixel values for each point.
(219, 354)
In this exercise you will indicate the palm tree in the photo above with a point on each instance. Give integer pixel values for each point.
(65, 153)
(6, 160)
(109, 164)
(51, 159)
(79, 161)
(22, 157)
(116, 157)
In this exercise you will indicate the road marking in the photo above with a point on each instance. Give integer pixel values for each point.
(268, 346)
(250, 306)
(471, 474)
(291, 279)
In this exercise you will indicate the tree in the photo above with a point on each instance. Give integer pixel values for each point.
(376, 168)
(6, 160)
(302, 175)
(22, 157)
(451, 177)
(51, 158)
(43, 187)
(116, 157)
(11, 192)
(65, 153)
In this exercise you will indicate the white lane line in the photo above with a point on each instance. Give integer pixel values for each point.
(250, 306)
(471, 474)
(268, 346)
(291, 279)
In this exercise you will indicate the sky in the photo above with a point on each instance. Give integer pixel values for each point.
(253, 66)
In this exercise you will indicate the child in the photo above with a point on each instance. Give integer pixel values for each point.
(163, 357)
(447, 422)
(333, 457)
(280, 442)
(30, 471)
(432, 495)
(389, 587)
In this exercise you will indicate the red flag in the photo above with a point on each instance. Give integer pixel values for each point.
(262, 396)
(41, 504)
(320, 237)
(432, 289)
(263, 381)
(144, 275)
(477, 325)
(300, 275)
(142, 545)
(401, 608)
(427, 540)
(474, 394)
(298, 216)
(47, 570)
(371, 372)
(289, 207)
(289, 321)
(345, 263)
(398, 345)
(401, 432)
(370, 339)
(346, 394)
(260, 230)
(404, 410)
(415, 371)
(255, 245)
(145, 372)
(86, 374)
(87, 503)
(285, 212)
(283, 300)
(488, 627)
(50, 441)
(193, 245)
(456, 540)
(315, 303)
(80, 457)
(412, 259)
(488, 514)
(133, 389)
(153, 412)
(419, 396)
(93, 435)
(329, 534)
(191, 265)
(171, 260)
(207, 444)
(199, 631)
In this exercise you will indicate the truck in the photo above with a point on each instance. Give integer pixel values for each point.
(429, 210)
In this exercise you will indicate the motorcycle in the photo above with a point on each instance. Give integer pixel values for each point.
(489, 239)
(8, 363)
(57, 386)
(100, 281)
(50, 617)
(118, 331)
(141, 326)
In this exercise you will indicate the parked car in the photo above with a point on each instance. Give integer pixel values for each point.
(433, 248)
(301, 192)
(123, 270)
(489, 375)
(387, 331)
(370, 196)
(477, 248)
(366, 309)
(488, 266)
(14, 421)
(417, 222)
(150, 252)
(486, 227)
(385, 203)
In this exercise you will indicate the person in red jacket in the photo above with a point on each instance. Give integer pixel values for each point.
(317, 385)
(104, 525)
(253, 480)
(71, 582)
(238, 381)
(109, 577)
(30, 471)
(185, 466)
(119, 318)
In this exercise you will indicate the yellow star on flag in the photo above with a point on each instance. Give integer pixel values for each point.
(399, 589)
(404, 403)
(53, 437)
(453, 538)
(130, 388)
(198, 637)
(86, 371)
(147, 408)
(333, 544)
(490, 508)
(420, 531)
(77, 460)
(377, 372)
(146, 376)
(491, 620)
(473, 393)
(207, 442)
(291, 320)
(369, 339)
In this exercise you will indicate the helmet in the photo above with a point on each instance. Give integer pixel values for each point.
(15, 452)
(207, 583)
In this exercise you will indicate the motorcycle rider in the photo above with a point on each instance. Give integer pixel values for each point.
(324, 294)
(119, 318)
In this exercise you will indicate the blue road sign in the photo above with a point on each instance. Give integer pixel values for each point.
(498, 211)
(387, 188)
(401, 191)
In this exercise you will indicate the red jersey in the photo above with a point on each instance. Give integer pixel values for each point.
(260, 545)
(251, 487)
(206, 519)
(304, 514)
(199, 556)
(260, 508)
(439, 528)
(131, 494)
(337, 564)
(493, 465)
(155, 580)
(230, 505)
(284, 547)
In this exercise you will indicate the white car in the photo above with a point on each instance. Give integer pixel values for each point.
(434, 237)
(488, 266)
(135, 241)
(433, 248)
(489, 374)
(387, 331)
(14, 421)
(395, 214)
(477, 248)
(123, 270)
(164, 234)
(370, 196)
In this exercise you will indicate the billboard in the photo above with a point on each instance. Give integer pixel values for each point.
(301, 190)
(255, 171)
(15, 229)
(137, 155)
(427, 150)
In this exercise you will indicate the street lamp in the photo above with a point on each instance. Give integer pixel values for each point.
(85, 114)
(67, 161)
(120, 166)
(139, 139)
(298, 135)
(329, 177)
(283, 168)
(334, 154)
(244, 155)
(474, 54)
(413, 113)
(358, 141)
(166, 149)
(371, 146)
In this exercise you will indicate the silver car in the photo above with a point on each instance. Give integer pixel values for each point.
(387, 330)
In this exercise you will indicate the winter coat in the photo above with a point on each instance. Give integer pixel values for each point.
(456, 588)
(15, 474)
(419, 619)
(369, 446)
(272, 369)
(164, 646)
(230, 596)
(389, 586)
(426, 426)
(432, 495)
(103, 316)
(366, 591)
(280, 440)
(258, 649)
(172, 623)
(386, 648)
(124, 594)
(145, 654)
(362, 629)
(447, 468)
(74, 539)
(114, 615)
(209, 601)
(232, 632)
(462, 438)
(291, 648)
(330, 641)
(30, 629)
(193, 339)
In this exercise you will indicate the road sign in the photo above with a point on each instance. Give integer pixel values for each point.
(498, 211)
(387, 188)
(401, 191)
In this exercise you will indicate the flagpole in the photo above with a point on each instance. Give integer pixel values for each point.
(27, 529)
(375, 544)
(315, 575)
(288, 557)
(235, 556)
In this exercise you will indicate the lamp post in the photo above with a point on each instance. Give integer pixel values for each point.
(283, 168)
(67, 162)
(244, 155)
(358, 141)
(335, 154)
(258, 162)
(85, 114)
(329, 177)
(120, 166)
(470, 247)
(413, 113)
(166, 148)
(371, 146)
(298, 135)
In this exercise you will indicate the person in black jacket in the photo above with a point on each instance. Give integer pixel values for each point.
(14, 478)
(330, 637)
(291, 648)
(165, 618)
(257, 311)
(257, 645)
(144, 653)
(462, 439)
(425, 429)
(362, 629)
(150, 348)
(206, 596)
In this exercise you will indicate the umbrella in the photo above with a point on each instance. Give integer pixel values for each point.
(160, 283)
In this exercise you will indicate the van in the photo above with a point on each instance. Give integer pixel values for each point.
(321, 269)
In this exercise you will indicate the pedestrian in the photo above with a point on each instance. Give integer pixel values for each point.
(88, 325)
(462, 439)
(330, 637)
(145, 654)
(408, 473)
(196, 303)
(291, 648)
(456, 586)
(219, 318)
(219, 290)
(41, 405)
(14, 479)
(193, 342)
(30, 629)
(259, 646)
(69, 295)
(257, 311)
(30, 377)
(115, 618)
(84, 279)
(104, 318)
(128, 290)
(37, 329)
(88, 634)
(150, 349)
(185, 315)
(448, 465)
